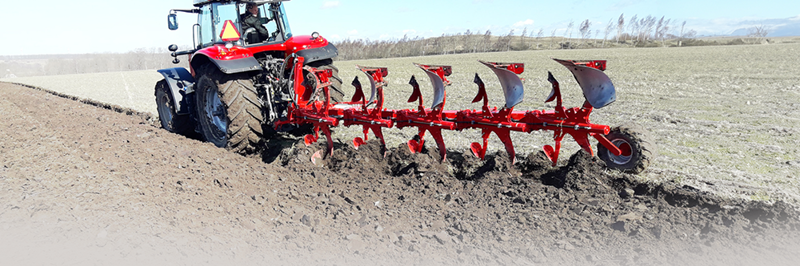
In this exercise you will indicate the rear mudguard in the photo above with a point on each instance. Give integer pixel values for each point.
(180, 83)
(237, 65)
(316, 54)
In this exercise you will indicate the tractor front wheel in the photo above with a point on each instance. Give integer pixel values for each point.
(637, 150)
(229, 111)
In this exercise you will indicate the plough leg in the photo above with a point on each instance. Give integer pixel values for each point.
(505, 137)
(552, 153)
(378, 133)
(415, 144)
(436, 133)
(312, 138)
(477, 149)
(583, 141)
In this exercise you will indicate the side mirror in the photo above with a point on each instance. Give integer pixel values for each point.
(172, 21)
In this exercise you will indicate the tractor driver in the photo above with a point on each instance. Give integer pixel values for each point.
(250, 20)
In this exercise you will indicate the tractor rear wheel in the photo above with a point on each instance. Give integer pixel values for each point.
(637, 150)
(337, 94)
(229, 111)
(170, 120)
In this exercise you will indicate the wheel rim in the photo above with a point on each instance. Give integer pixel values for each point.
(215, 114)
(625, 155)
(165, 111)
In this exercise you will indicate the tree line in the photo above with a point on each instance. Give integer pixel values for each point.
(47, 65)
(631, 32)
(647, 31)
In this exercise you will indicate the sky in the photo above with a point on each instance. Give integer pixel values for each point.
(101, 26)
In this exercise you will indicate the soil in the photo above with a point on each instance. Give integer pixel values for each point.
(84, 183)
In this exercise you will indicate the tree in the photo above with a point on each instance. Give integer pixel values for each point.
(504, 42)
(569, 29)
(646, 28)
(758, 32)
(659, 24)
(466, 41)
(539, 36)
(680, 40)
(633, 26)
(584, 29)
(594, 37)
(620, 26)
(487, 37)
(609, 28)
(662, 31)
(522, 39)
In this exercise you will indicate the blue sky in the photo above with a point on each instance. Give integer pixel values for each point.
(98, 26)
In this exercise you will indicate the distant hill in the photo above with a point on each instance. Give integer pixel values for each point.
(776, 27)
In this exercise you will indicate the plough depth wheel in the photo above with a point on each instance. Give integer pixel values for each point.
(637, 151)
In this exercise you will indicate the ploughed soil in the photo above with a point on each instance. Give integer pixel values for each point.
(83, 183)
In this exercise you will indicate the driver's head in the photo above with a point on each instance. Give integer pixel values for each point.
(252, 8)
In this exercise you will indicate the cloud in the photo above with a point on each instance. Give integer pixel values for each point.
(352, 32)
(526, 22)
(330, 4)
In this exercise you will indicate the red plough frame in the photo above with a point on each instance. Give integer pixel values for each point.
(370, 114)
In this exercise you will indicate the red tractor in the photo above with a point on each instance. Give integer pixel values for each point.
(239, 81)
(249, 75)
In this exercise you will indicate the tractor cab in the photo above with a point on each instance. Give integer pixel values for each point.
(221, 21)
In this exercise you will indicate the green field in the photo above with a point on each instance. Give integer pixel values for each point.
(725, 118)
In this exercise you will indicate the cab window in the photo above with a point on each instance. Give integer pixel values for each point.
(222, 13)
(266, 19)
(206, 28)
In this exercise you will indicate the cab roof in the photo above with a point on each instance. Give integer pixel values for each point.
(199, 3)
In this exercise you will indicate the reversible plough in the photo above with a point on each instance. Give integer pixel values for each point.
(315, 107)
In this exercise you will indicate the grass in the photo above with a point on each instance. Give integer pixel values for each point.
(721, 115)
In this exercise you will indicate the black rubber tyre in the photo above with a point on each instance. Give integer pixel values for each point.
(637, 150)
(337, 95)
(229, 111)
(170, 120)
